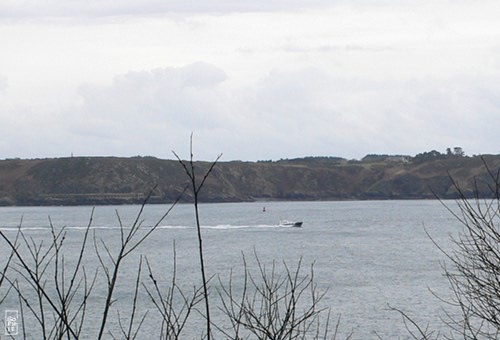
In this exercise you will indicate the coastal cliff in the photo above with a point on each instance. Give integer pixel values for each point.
(113, 180)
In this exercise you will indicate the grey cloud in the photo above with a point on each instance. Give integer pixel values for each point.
(439, 113)
(201, 75)
(286, 114)
(311, 112)
(160, 91)
(149, 107)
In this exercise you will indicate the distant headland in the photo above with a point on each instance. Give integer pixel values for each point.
(114, 180)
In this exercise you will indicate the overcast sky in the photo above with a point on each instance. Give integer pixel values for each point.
(254, 80)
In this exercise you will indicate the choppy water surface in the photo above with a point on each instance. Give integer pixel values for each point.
(368, 254)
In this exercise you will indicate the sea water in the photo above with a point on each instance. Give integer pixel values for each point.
(367, 256)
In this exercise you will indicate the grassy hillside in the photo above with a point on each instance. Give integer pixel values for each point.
(111, 180)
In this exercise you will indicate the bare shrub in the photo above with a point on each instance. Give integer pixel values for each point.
(472, 267)
(274, 304)
(56, 294)
(474, 263)
(172, 303)
(196, 185)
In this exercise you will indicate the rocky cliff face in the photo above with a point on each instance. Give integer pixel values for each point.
(111, 180)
